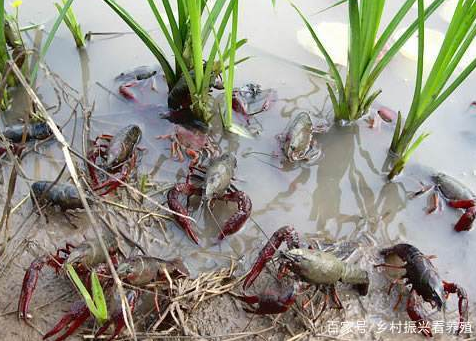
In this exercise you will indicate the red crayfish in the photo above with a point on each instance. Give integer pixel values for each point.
(117, 156)
(217, 186)
(82, 257)
(193, 141)
(457, 195)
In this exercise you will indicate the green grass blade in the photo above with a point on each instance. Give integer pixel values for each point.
(82, 290)
(3, 41)
(353, 79)
(216, 45)
(397, 131)
(333, 68)
(197, 47)
(174, 26)
(419, 75)
(146, 39)
(370, 23)
(231, 65)
(335, 103)
(72, 24)
(379, 67)
(456, 59)
(387, 33)
(451, 88)
(99, 299)
(182, 20)
(231, 44)
(212, 19)
(401, 162)
(338, 3)
(175, 49)
(49, 40)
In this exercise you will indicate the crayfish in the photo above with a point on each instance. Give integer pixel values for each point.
(137, 271)
(311, 266)
(82, 257)
(457, 195)
(140, 77)
(118, 156)
(216, 186)
(64, 195)
(140, 271)
(250, 100)
(297, 140)
(33, 131)
(425, 281)
(193, 141)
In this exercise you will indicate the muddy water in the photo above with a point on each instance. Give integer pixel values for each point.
(342, 196)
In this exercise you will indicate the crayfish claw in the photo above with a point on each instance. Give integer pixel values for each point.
(271, 302)
(285, 233)
(239, 218)
(78, 313)
(466, 221)
(452, 288)
(29, 284)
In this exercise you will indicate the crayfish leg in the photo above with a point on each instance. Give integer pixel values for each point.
(434, 203)
(462, 203)
(77, 315)
(465, 223)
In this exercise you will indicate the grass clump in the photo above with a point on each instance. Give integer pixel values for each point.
(192, 71)
(440, 83)
(351, 97)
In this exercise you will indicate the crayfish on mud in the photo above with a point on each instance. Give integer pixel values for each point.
(82, 258)
(137, 271)
(216, 186)
(64, 195)
(118, 155)
(193, 141)
(297, 140)
(457, 195)
(33, 131)
(426, 283)
(310, 266)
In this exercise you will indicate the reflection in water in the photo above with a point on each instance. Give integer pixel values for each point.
(343, 156)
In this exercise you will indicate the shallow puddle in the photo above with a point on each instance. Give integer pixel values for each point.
(343, 196)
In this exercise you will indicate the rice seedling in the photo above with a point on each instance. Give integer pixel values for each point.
(97, 303)
(187, 34)
(440, 82)
(72, 24)
(352, 97)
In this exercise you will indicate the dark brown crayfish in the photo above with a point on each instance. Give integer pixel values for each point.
(425, 281)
